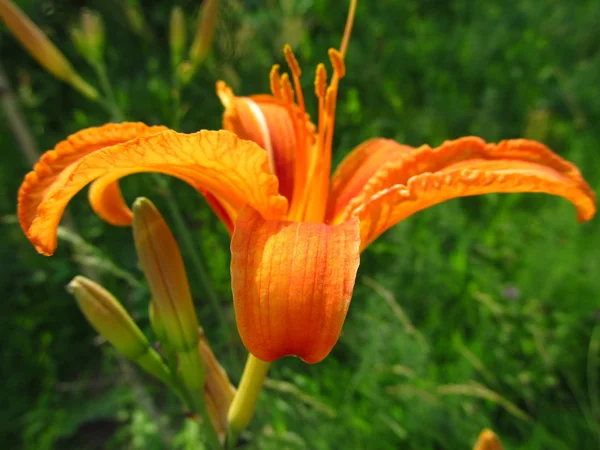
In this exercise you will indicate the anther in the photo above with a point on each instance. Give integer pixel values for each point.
(275, 81)
(287, 92)
(337, 61)
(292, 61)
(320, 81)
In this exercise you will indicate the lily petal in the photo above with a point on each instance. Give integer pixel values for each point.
(391, 205)
(357, 168)
(107, 201)
(292, 283)
(461, 151)
(270, 123)
(53, 162)
(217, 161)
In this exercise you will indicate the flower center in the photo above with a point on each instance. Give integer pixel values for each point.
(313, 153)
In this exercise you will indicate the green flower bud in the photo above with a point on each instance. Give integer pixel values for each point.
(163, 267)
(177, 35)
(108, 317)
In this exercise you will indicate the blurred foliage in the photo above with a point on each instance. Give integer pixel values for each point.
(478, 312)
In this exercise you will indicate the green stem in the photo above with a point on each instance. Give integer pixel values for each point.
(176, 100)
(111, 99)
(243, 406)
(192, 378)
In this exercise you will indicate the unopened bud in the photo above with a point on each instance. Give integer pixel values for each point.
(89, 36)
(41, 48)
(177, 35)
(159, 332)
(205, 32)
(218, 390)
(135, 17)
(185, 72)
(163, 267)
(108, 317)
(487, 440)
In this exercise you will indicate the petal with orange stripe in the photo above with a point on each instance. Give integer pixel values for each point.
(462, 152)
(270, 123)
(53, 162)
(292, 283)
(474, 177)
(357, 168)
(232, 169)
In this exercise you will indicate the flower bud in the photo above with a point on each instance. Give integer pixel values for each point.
(488, 440)
(41, 48)
(185, 72)
(135, 17)
(218, 390)
(89, 36)
(159, 332)
(109, 318)
(177, 35)
(205, 32)
(163, 267)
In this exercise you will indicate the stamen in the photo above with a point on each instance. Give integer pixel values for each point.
(320, 90)
(292, 61)
(320, 81)
(337, 61)
(296, 73)
(287, 92)
(330, 100)
(275, 81)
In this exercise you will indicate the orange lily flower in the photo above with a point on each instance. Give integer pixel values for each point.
(297, 232)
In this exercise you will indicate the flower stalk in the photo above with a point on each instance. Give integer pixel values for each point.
(42, 49)
(244, 403)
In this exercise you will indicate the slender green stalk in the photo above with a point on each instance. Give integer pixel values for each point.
(111, 99)
(176, 100)
(244, 403)
(191, 364)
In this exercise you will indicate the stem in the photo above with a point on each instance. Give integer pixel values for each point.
(176, 99)
(244, 403)
(192, 378)
(111, 99)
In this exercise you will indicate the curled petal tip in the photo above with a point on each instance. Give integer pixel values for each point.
(468, 166)
(235, 172)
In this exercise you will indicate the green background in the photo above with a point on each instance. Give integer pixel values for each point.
(480, 312)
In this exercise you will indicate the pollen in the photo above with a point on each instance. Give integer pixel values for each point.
(337, 61)
(275, 81)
